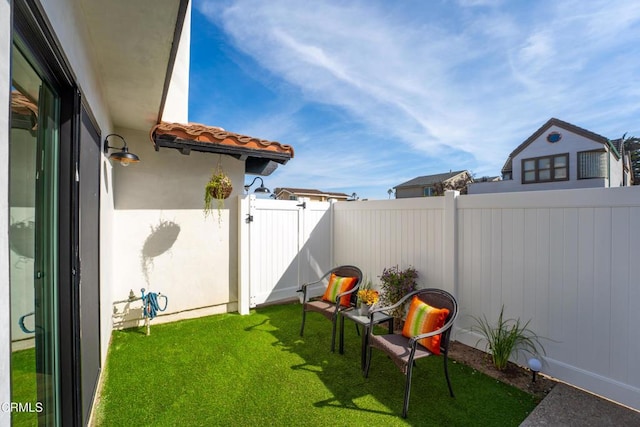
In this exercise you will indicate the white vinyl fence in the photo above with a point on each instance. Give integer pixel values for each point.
(562, 259)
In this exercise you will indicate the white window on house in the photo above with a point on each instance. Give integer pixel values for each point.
(506, 176)
(592, 164)
(293, 197)
(545, 169)
(428, 192)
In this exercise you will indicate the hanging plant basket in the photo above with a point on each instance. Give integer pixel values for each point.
(220, 191)
(217, 189)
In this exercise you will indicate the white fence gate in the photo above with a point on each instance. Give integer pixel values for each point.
(289, 242)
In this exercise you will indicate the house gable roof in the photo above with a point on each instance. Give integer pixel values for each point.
(427, 180)
(261, 156)
(618, 145)
(561, 124)
(310, 192)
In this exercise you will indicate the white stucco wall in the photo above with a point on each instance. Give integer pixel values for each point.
(69, 25)
(176, 107)
(162, 239)
(67, 21)
(616, 171)
(5, 94)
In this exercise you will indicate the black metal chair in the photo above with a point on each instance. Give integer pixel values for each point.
(330, 310)
(405, 351)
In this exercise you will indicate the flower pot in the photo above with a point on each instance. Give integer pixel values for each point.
(221, 192)
(364, 309)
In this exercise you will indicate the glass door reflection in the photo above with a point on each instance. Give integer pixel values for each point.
(33, 169)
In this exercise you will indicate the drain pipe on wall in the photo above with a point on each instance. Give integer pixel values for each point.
(609, 168)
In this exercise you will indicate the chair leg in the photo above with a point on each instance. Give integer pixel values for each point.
(333, 333)
(366, 369)
(446, 374)
(304, 317)
(357, 328)
(407, 391)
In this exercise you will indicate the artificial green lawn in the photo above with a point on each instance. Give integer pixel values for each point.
(256, 370)
(23, 385)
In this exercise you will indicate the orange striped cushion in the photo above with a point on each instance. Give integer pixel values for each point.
(423, 318)
(338, 285)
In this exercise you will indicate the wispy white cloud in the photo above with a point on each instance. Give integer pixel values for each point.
(465, 81)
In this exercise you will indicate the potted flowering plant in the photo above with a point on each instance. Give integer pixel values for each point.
(397, 283)
(367, 297)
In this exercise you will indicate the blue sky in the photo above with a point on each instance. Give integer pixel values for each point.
(373, 93)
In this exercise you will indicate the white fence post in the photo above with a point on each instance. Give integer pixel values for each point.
(244, 256)
(332, 218)
(302, 226)
(450, 242)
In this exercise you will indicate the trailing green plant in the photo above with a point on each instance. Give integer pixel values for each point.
(217, 189)
(506, 337)
(395, 284)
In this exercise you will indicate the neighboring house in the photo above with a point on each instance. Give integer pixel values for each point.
(560, 155)
(487, 179)
(78, 232)
(287, 193)
(426, 186)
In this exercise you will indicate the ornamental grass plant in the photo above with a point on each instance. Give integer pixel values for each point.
(256, 370)
(506, 337)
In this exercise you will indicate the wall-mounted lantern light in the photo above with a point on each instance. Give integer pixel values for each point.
(123, 156)
(260, 189)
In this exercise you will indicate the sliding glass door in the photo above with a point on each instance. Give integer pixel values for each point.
(33, 237)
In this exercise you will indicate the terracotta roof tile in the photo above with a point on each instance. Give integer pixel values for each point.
(217, 136)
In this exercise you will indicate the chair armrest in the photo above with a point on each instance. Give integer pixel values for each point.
(396, 305)
(304, 286)
(339, 306)
(387, 308)
(303, 289)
